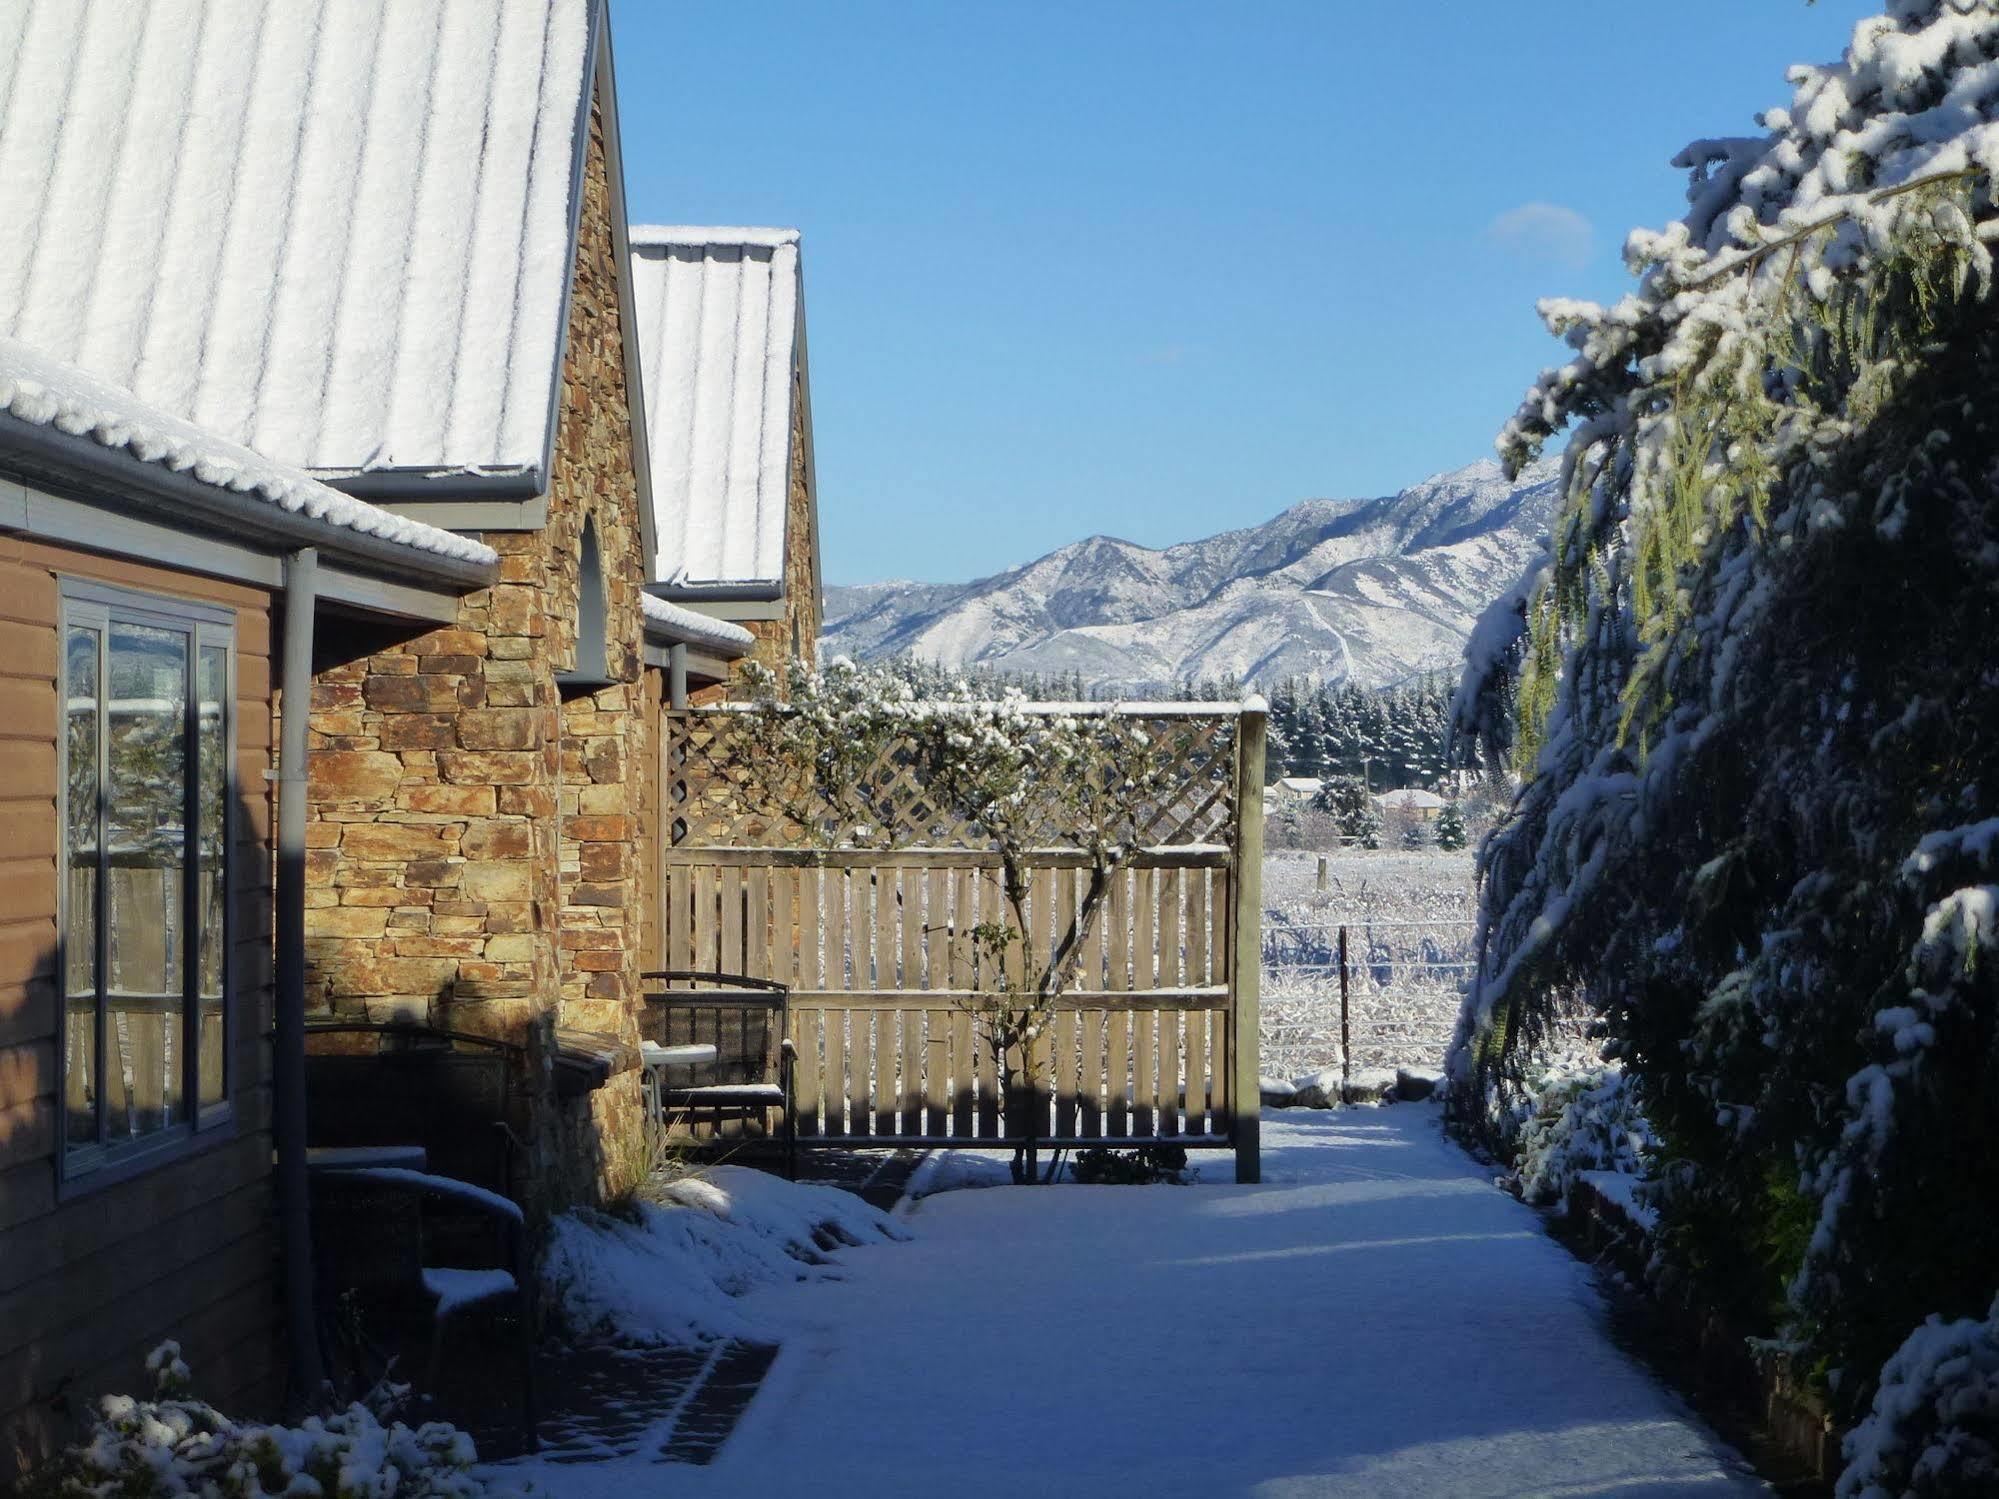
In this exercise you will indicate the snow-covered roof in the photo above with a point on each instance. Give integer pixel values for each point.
(337, 234)
(1409, 797)
(1303, 785)
(719, 326)
(677, 622)
(82, 411)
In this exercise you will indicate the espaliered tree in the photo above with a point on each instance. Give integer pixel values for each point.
(814, 749)
(1751, 689)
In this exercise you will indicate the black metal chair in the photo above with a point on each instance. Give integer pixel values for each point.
(369, 1246)
(746, 1020)
(432, 1242)
(456, 1094)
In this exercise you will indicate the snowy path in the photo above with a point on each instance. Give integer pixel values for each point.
(1375, 1319)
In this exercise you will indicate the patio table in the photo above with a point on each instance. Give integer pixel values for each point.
(656, 1058)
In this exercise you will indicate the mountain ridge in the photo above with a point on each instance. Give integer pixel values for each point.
(1368, 591)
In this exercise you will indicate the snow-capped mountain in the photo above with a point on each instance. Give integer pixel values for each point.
(1367, 591)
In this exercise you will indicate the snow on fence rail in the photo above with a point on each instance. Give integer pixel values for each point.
(876, 947)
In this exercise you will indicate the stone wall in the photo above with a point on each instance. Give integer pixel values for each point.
(474, 854)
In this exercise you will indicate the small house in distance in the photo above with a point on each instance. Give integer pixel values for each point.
(1411, 802)
(720, 317)
(1297, 789)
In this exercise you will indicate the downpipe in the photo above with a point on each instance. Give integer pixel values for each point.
(288, 1124)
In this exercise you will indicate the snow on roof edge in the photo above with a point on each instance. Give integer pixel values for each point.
(356, 253)
(692, 626)
(695, 235)
(44, 392)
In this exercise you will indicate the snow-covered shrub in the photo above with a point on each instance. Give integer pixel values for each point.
(1751, 690)
(1582, 1121)
(1933, 1432)
(675, 1269)
(1145, 1166)
(174, 1444)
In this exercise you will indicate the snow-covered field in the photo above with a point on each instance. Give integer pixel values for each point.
(1409, 920)
(1376, 1318)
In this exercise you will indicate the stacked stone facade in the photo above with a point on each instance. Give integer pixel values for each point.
(474, 847)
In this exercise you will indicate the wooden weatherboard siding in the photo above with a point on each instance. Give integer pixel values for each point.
(92, 1278)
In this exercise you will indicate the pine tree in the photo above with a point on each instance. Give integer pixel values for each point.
(1352, 809)
(1452, 834)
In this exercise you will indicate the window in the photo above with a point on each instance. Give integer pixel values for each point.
(148, 740)
(590, 672)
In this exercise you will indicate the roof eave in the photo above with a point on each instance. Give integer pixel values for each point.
(657, 633)
(127, 482)
(418, 484)
(720, 591)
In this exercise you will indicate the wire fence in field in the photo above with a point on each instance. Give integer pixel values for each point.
(1403, 983)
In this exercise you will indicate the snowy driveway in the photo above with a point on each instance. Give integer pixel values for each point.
(1375, 1319)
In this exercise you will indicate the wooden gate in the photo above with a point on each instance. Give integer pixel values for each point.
(1155, 1038)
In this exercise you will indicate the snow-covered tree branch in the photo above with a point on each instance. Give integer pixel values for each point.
(1750, 693)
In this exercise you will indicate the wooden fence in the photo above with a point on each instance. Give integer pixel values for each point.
(1155, 1038)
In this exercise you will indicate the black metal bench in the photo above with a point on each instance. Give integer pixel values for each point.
(746, 1020)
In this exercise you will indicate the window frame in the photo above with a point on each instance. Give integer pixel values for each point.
(100, 606)
(592, 645)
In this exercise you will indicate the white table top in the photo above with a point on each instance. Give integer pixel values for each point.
(676, 1056)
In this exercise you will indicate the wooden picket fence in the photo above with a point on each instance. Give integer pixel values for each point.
(1155, 1039)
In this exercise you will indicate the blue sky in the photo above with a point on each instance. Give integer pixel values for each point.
(1158, 269)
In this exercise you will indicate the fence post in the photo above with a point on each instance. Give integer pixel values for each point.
(1246, 956)
(1322, 871)
(1346, 1029)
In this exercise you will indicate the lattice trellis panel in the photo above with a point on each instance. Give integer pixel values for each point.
(711, 800)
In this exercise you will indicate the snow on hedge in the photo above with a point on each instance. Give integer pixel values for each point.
(1583, 1122)
(174, 1444)
(1756, 838)
(677, 1273)
(1934, 1427)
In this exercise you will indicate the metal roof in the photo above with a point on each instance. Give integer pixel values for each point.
(719, 324)
(338, 233)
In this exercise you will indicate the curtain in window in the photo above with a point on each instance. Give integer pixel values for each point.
(145, 910)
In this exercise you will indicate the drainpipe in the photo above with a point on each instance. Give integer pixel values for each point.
(676, 676)
(288, 1066)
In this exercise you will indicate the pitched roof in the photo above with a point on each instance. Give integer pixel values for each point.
(337, 234)
(719, 327)
(1409, 796)
(75, 410)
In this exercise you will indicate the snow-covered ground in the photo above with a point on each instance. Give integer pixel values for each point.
(1376, 1318)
